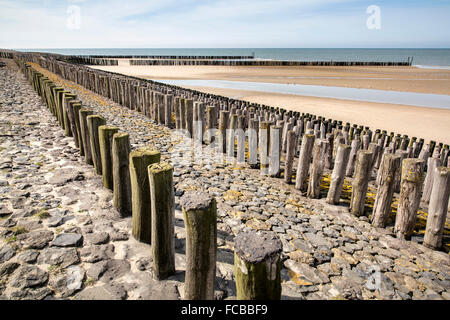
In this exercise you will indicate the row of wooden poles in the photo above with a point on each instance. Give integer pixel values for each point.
(195, 60)
(204, 62)
(271, 131)
(143, 188)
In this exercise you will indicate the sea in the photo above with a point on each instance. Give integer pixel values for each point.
(422, 58)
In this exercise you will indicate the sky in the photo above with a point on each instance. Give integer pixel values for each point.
(224, 24)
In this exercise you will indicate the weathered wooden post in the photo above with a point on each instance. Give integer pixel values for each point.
(264, 147)
(121, 173)
(140, 189)
(94, 122)
(84, 112)
(304, 162)
(360, 182)
(290, 153)
(338, 174)
(433, 163)
(409, 200)
(200, 216)
(189, 116)
(105, 135)
(437, 209)
(223, 124)
(257, 265)
(318, 165)
(168, 101)
(385, 192)
(352, 158)
(211, 123)
(253, 143)
(275, 151)
(231, 135)
(162, 201)
(240, 134)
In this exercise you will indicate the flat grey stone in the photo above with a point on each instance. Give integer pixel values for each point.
(317, 240)
(115, 269)
(63, 257)
(105, 292)
(6, 253)
(75, 277)
(8, 268)
(28, 276)
(97, 269)
(97, 238)
(30, 293)
(38, 239)
(97, 253)
(28, 256)
(67, 240)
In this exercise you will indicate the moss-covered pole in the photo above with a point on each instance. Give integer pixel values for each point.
(162, 200)
(385, 192)
(121, 173)
(84, 112)
(105, 136)
(200, 217)
(257, 265)
(409, 200)
(437, 210)
(94, 122)
(140, 159)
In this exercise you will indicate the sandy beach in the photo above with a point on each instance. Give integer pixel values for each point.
(409, 79)
(427, 123)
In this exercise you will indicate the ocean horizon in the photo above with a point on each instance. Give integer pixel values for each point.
(425, 57)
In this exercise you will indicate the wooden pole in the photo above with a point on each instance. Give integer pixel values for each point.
(385, 192)
(223, 124)
(275, 151)
(409, 200)
(360, 182)
(140, 189)
(94, 122)
(121, 173)
(338, 174)
(84, 112)
(290, 154)
(352, 158)
(253, 143)
(200, 217)
(257, 265)
(437, 210)
(318, 165)
(433, 163)
(105, 135)
(304, 162)
(162, 219)
(264, 147)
